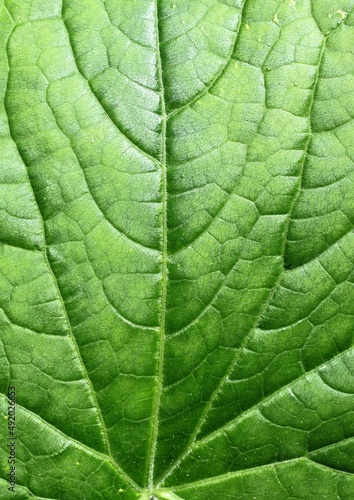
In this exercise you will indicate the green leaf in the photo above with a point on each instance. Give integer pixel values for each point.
(177, 248)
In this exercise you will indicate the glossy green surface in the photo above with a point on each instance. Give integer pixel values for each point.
(177, 248)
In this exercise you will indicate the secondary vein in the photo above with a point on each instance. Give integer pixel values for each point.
(218, 75)
(78, 444)
(193, 442)
(59, 293)
(105, 108)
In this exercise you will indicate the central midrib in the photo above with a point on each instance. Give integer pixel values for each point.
(164, 247)
(164, 258)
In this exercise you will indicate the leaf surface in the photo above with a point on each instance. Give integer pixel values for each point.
(177, 248)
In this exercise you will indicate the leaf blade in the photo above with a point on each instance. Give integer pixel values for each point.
(199, 263)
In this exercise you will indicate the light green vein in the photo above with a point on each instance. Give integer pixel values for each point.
(218, 75)
(164, 261)
(60, 297)
(192, 442)
(90, 451)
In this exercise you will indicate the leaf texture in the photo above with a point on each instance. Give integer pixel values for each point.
(177, 248)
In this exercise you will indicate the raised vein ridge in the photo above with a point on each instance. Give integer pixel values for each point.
(164, 260)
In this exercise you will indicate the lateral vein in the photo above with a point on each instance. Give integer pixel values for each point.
(218, 75)
(82, 446)
(193, 443)
(54, 279)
